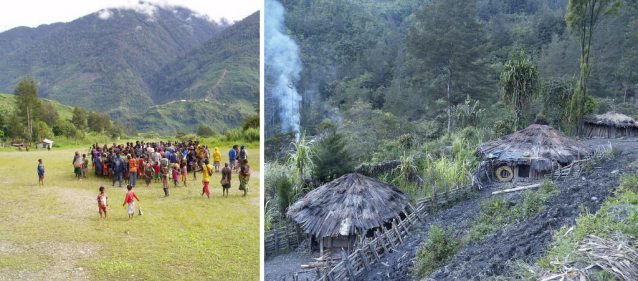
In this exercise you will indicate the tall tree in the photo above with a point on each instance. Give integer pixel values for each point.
(582, 17)
(450, 43)
(79, 118)
(520, 86)
(27, 103)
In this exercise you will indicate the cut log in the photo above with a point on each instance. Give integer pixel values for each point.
(516, 189)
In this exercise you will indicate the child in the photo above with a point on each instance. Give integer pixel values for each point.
(102, 202)
(156, 167)
(165, 174)
(85, 165)
(130, 195)
(184, 172)
(149, 173)
(40, 172)
(176, 173)
(195, 167)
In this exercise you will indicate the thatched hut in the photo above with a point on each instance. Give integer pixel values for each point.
(530, 154)
(338, 213)
(610, 125)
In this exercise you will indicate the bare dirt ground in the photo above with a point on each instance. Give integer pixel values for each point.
(490, 257)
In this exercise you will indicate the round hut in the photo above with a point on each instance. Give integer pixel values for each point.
(530, 154)
(610, 125)
(339, 212)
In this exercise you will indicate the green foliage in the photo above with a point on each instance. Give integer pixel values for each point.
(252, 121)
(450, 45)
(79, 118)
(556, 97)
(503, 127)
(520, 86)
(64, 128)
(434, 252)
(15, 128)
(301, 162)
(98, 122)
(604, 223)
(48, 113)
(27, 102)
(548, 187)
(331, 158)
(42, 131)
(205, 131)
(284, 193)
(468, 113)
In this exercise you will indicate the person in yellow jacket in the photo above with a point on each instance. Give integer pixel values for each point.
(217, 158)
(207, 172)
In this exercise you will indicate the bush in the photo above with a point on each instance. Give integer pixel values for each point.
(548, 187)
(251, 121)
(205, 131)
(284, 193)
(434, 252)
(64, 128)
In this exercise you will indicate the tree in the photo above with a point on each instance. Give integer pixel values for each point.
(450, 44)
(15, 127)
(48, 114)
(582, 17)
(79, 118)
(42, 130)
(28, 104)
(98, 122)
(205, 131)
(251, 121)
(331, 158)
(520, 86)
(64, 128)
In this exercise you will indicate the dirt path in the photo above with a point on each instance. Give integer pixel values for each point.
(525, 240)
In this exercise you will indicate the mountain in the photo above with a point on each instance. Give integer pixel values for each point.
(102, 61)
(225, 68)
(186, 116)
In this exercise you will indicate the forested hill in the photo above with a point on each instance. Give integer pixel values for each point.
(107, 60)
(224, 68)
(361, 56)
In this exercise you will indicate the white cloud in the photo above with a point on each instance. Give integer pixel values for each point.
(105, 14)
(21, 13)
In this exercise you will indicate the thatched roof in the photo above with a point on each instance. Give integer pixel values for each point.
(349, 205)
(611, 118)
(537, 146)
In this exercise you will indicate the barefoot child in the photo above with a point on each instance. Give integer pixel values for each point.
(102, 202)
(184, 172)
(156, 167)
(176, 173)
(129, 199)
(40, 172)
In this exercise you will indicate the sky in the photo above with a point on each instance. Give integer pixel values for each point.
(33, 13)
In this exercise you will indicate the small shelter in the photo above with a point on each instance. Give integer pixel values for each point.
(344, 210)
(530, 154)
(45, 143)
(610, 125)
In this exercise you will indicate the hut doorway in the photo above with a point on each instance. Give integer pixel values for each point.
(523, 171)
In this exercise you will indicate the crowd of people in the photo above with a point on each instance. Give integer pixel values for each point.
(163, 162)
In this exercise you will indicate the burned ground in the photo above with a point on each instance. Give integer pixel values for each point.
(526, 240)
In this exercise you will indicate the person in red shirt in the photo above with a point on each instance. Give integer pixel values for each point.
(130, 195)
(156, 167)
(102, 202)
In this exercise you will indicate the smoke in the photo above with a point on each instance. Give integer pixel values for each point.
(283, 65)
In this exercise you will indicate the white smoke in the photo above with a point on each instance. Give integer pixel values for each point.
(281, 56)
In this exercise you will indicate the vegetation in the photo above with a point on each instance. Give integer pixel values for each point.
(496, 212)
(520, 82)
(331, 158)
(434, 252)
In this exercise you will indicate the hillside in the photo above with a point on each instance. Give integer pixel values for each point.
(225, 68)
(8, 101)
(186, 116)
(101, 61)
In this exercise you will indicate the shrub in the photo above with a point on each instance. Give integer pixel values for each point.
(251, 121)
(64, 128)
(548, 187)
(205, 131)
(284, 193)
(434, 252)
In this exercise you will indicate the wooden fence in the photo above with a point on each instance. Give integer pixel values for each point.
(283, 237)
(575, 169)
(370, 251)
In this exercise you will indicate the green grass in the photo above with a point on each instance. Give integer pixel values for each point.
(8, 101)
(602, 224)
(48, 232)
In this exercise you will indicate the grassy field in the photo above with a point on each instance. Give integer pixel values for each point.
(55, 233)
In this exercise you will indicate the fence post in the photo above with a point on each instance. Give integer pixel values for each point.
(416, 213)
(344, 256)
(286, 236)
(275, 237)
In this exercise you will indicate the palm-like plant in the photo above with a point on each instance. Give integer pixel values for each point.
(520, 85)
(301, 162)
